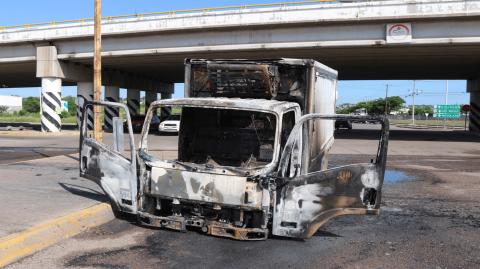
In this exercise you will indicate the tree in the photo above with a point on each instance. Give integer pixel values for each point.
(3, 109)
(31, 104)
(421, 110)
(377, 106)
(344, 108)
(395, 103)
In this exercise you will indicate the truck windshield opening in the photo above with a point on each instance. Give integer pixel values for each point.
(226, 137)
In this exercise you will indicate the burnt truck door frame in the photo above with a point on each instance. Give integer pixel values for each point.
(305, 202)
(115, 174)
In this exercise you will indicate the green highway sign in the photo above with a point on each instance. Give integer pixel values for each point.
(446, 111)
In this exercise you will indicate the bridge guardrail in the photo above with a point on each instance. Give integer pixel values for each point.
(173, 12)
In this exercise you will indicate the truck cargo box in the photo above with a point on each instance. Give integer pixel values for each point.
(307, 82)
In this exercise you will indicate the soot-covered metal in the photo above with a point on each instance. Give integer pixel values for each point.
(280, 79)
(212, 136)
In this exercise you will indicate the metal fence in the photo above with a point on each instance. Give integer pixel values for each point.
(421, 117)
(409, 117)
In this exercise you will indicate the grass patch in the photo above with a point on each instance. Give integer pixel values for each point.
(451, 123)
(33, 117)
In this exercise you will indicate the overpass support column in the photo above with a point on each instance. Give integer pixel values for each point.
(473, 87)
(166, 94)
(50, 71)
(150, 97)
(133, 101)
(51, 101)
(112, 94)
(84, 93)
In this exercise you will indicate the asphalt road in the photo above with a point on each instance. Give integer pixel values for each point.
(430, 219)
(18, 146)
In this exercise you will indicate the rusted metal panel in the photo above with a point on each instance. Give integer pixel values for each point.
(215, 228)
(230, 231)
(114, 173)
(307, 201)
(204, 187)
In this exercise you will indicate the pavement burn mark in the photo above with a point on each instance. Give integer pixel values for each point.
(116, 258)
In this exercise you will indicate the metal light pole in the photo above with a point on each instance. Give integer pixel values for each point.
(413, 103)
(446, 92)
(446, 103)
(386, 96)
(97, 70)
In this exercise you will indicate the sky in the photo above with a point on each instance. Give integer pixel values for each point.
(36, 11)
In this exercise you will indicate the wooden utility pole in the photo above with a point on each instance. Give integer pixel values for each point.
(97, 71)
(386, 99)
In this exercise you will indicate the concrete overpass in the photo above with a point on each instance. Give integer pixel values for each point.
(438, 39)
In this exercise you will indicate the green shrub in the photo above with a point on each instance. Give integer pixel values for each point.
(31, 104)
(64, 114)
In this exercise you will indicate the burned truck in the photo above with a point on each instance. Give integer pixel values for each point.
(252, 155)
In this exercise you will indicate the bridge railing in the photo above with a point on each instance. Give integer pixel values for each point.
(172, 12)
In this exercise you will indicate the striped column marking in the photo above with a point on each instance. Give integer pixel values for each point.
(474, 118)
(80, 101)
(165, 112)
(84, 93)
(51, 103)
(110, 113)
(133, 101)
(133, 106)
(112, 94)
(150, 97)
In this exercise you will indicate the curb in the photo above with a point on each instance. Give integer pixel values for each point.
(36, 125)
(408, 126)
(33, 239)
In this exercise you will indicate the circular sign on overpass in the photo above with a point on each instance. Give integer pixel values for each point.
(399, 32)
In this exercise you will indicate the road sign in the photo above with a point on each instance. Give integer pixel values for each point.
(399, 32)
(465, 108)
(446, 111)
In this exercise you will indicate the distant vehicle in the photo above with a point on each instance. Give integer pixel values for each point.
(343, 124)
(138, 120)
(171, 124)
(360, 112)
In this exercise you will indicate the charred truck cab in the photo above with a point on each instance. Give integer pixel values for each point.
(252, 155)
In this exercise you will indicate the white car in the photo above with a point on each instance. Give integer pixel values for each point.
(170, 125)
